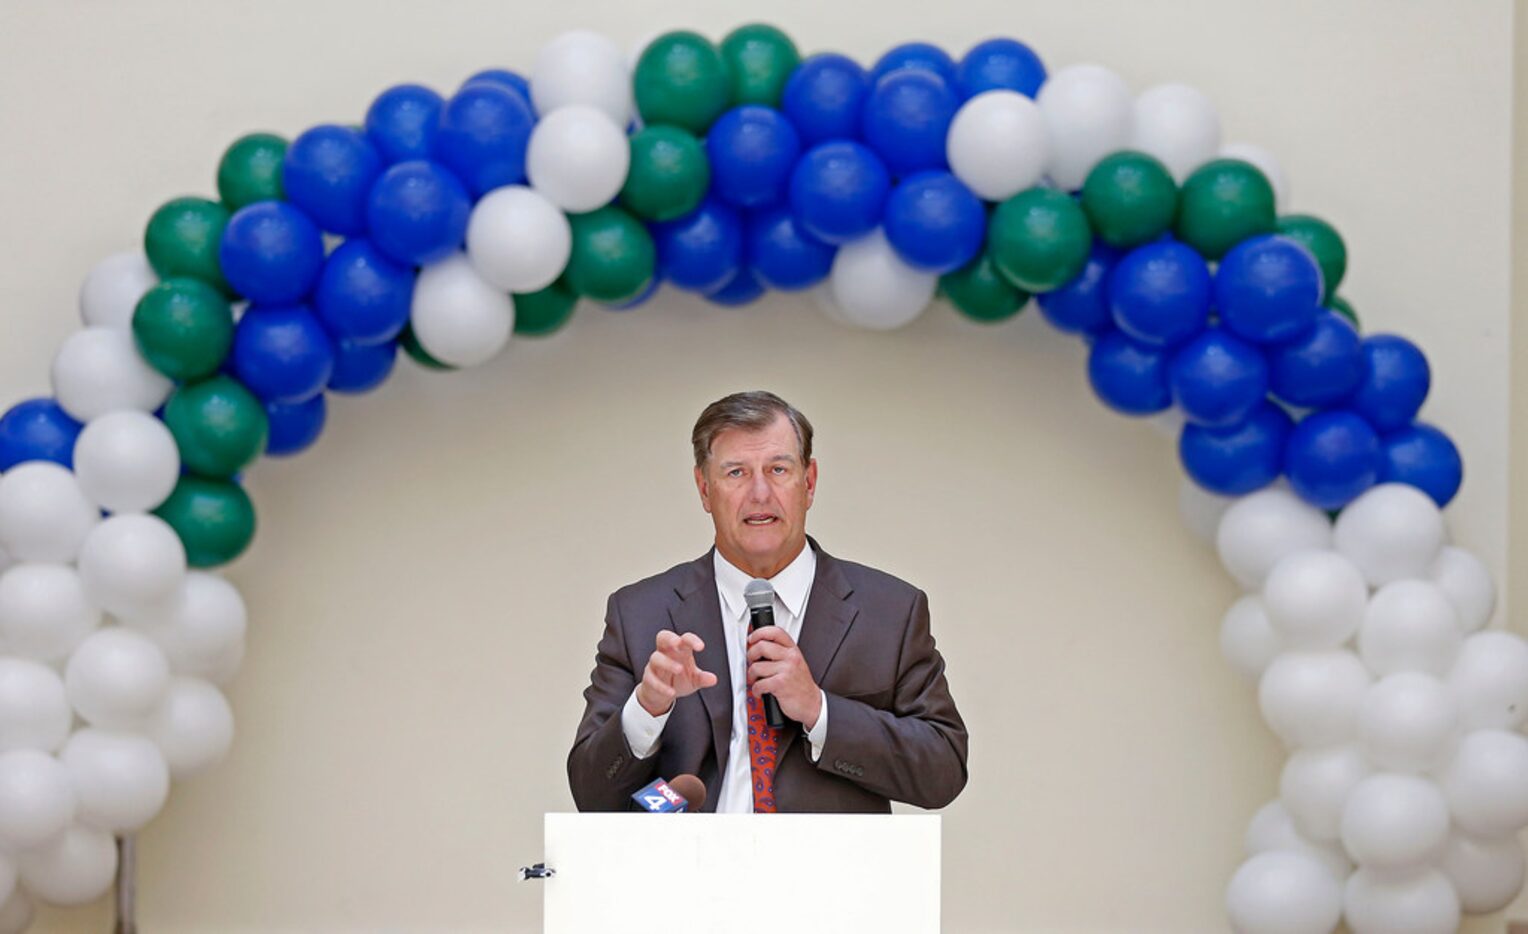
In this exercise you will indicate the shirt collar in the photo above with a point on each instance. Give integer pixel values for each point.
(791, 585)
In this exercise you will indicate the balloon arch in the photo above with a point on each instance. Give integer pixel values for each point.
(445, 225)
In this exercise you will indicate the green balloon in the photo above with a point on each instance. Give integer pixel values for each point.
(1039, 239)
(183, 328)
(669, 174)
(1344, 308)
(613, 256)
(1323, 240)
(409, 341)
(759, 59)
(250, 170)
(538, 313)
(980, 293)
(182, 239)
(214, 519)
(1223, 203)
(219, 426)
(681, 79)
(1130, 199)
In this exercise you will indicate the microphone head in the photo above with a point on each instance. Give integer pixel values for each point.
(759, 594)
(692, 789)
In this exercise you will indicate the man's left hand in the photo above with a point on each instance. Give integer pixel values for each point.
(776, 666)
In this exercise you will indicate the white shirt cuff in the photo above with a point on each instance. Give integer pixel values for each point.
(818, 734)
(641, 728)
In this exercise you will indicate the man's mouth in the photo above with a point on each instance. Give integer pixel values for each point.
(759, 518)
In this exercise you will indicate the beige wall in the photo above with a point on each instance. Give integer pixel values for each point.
(427, 585)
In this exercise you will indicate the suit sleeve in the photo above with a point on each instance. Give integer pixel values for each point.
(603, 771)
(915, 752)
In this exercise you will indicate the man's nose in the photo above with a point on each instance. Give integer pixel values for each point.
(758, 489)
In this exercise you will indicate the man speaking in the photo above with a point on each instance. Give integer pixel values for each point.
(682, 681)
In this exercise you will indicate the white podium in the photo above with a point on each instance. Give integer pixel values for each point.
(676, 873)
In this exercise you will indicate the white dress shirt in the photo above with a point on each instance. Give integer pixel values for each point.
(792, 587)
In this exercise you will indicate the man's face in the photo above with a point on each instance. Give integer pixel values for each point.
(757, 491)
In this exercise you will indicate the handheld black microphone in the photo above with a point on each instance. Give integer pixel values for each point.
(760, 597)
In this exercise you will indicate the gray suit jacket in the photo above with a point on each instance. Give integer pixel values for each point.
(893, 730)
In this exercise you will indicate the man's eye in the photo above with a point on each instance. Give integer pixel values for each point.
(735, 472)
(780, 468)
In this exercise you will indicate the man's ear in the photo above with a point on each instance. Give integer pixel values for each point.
(703, 489)
(811, 482)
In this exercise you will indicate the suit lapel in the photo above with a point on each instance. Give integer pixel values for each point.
(828, 618)
(699, 611)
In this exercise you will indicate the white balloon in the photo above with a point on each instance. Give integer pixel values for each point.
(1314, 788)
(17, 912)
(193, 727)
(998, 144)
(460, 319)
(1265, 162)
(1312, 698)
(577, 158)
(518, 240)
(1468, 584)
(1377, 902)
(127, 461)
(1408, 722)
(1088, 110)
(1272, 828)
(1486, 783)
(1409, 625)
(1247, 640)
(1394, 821)
(116, 678)
(36, 799)
(45, 611)
(34, 710)
(1201, 509)
(44, 514)
(874, 289)
(112, 288)
(1177, 124)
(76, 868)
(132, 561)
(1487, 873)
(1315, 599)
(99, 370)
(1393, 531)
(1489, 679)
(120, 779)
(1261, 528)
(1283, 892)
(201, 629)
(582, 67)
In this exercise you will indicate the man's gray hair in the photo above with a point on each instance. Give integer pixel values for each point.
(751, 411)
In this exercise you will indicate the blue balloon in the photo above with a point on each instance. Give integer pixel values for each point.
(917, 55)
(1395, 382)
(417, 213)
(1319, 368)
(1268, 289)
(752, 150)
(37, 430)
(823, 97)
(294, 426)
(703, 250)
(282, 353)
(743, 288)
(934, 222)
(1332, 457)
(781, 254)
(1082, 305)
(1159, 293)
(361, 368)
(1129, 377)
(906, 118)
(328, 172)
(402, 121)
(362, 296)
(838, 191)
(271, 253)
(484, 131)
(1005, 64)
(1236, 460)
(1217, 379)
(504, 78)
(1424, 457)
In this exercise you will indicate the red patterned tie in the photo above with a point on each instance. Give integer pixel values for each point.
(763, 748)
